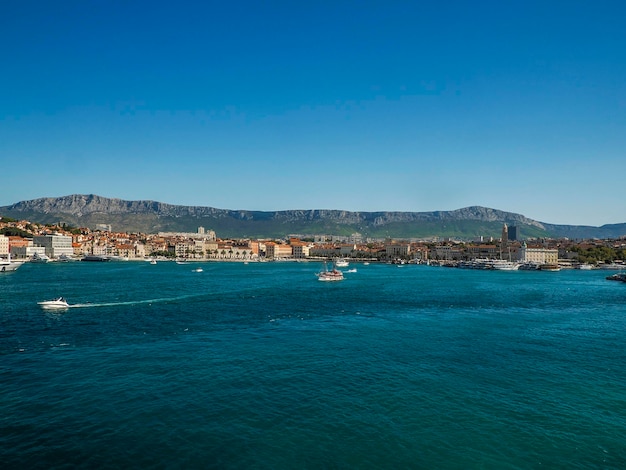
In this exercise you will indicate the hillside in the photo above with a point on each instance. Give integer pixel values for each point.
(151, 217)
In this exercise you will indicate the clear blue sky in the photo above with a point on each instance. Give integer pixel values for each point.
(361, 105)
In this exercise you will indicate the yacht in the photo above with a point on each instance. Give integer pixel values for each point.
(37, 258)
(342, 263)
(6, 265)
(97, 258)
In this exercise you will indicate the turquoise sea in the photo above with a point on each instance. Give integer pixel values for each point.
(262, 366)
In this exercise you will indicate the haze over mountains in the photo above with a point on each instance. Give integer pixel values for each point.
(152, 216)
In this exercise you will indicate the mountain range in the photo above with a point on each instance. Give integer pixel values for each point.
(151, 217)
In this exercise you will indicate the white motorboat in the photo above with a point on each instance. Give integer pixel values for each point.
(54, 304)
(342, 263)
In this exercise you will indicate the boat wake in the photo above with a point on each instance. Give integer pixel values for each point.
(131, 302)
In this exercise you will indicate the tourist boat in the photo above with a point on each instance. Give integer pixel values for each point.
(503, 265)
(332, 275)
(549, 267)
(6, 265)
(342, 263)
(55, 304)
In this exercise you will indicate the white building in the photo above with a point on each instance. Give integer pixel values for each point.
(4, 246)
(397, 249)
(55, 245)
(538, 255)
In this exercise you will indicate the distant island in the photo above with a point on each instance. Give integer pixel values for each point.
(152, 217)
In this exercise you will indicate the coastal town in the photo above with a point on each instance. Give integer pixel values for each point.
(24, 241)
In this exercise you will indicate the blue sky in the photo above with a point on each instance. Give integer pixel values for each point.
(364, 106)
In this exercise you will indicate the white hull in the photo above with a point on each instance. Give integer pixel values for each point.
(505, 266)
(9, 266)
(56, 304)
(330, 278)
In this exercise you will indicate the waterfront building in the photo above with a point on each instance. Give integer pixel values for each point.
(55, 245)
(27, 251)
(446, 252)
(185, 249)
(301, 249)
(4, 246)
(397, 250)
(276, 250)
(538, 255)
(327, 250)
(347, 249)
(483, 251)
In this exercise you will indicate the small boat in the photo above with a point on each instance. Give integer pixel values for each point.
(197, 270)
(55, 304)
(332, 275)
(153, 261)
(353, 270)
(342, 263)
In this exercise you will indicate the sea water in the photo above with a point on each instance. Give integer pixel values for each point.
(262, 366)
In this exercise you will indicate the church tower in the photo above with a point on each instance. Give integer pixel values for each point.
(505, 235)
